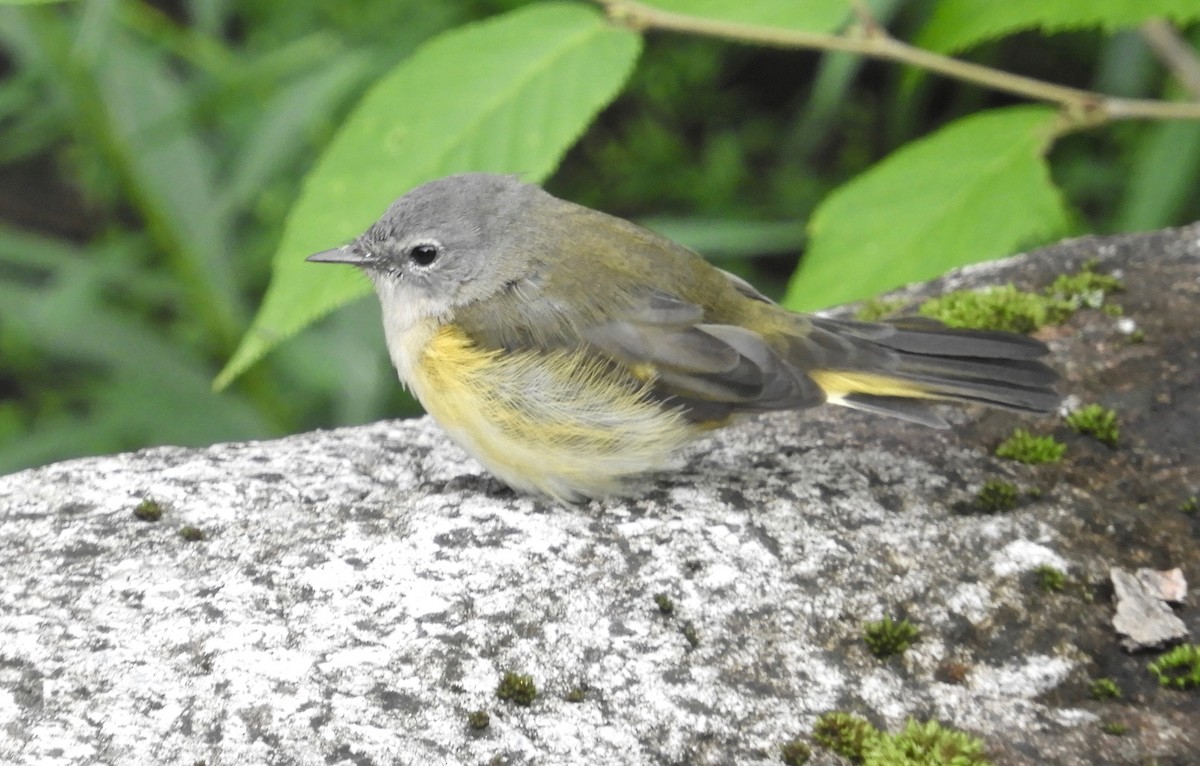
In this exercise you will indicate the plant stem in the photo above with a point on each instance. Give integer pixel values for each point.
(1175, 54)
(868, 38)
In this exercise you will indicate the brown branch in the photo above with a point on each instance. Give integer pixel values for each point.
(1174, 52)
(1082, 107)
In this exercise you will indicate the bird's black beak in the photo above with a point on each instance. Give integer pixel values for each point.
(343, 254)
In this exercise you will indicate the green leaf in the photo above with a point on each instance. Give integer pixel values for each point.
(508, 95)
(1162, 178)
(807, 15)
(977, 189)
(959, 24)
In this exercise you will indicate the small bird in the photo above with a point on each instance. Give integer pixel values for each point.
(572, 352)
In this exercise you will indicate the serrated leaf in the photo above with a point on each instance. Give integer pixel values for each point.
(808, 15)
(508, 95)
(977, 189)
(959, 24)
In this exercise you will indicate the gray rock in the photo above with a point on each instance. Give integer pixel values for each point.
(1143, 616)
(358, 593)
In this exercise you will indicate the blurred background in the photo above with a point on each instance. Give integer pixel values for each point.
(149, 152)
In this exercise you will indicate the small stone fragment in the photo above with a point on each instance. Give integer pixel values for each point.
(1142, 616)
(1168, 585)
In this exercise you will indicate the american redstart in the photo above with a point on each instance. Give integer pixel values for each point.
(570, 351)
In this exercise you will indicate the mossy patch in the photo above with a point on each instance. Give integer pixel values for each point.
(1178, 668)
(192, 534)
(878, 308)
(1024, 447)
(479, 719)
(148, 510)
(666, 607)
(1097, 422)
(919, 743)
(996, 496)
(1050, 579)
(517, 688)
(1105, 689)
(794, 753)
(887, 637)
(1020, 311)
(844, 733)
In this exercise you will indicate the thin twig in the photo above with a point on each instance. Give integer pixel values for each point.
(1082, 107)
(1175, 54)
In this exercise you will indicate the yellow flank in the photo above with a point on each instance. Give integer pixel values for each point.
(840, 383)
(564, 423)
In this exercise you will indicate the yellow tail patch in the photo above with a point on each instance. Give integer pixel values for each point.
(838, 384)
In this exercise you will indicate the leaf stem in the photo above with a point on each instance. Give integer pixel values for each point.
(868, 38)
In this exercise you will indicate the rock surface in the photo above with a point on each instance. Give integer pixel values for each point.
(358, 593)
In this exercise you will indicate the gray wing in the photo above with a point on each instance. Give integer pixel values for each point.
(710, 370)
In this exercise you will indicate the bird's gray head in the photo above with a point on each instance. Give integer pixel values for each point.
(447, 243)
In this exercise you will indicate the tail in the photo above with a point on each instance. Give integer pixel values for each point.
(895, 368)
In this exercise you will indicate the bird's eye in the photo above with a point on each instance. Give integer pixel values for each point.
(424, 253)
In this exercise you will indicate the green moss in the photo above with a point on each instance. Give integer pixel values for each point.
(1013, 310)
(1050, 579)
(1178, 668)
(877, 308)
(666, 606)
(517, 688)
(1114, 728)
(1099, 422)
(887, 637)
(148, 510)
(1024, 447)
(191, 534)
(1191, 505)
(794, 753)
(925, 744)
(919, 743)
(1085, 288)
(998, 308)
(1105, 689)
(844, 733)
(576, 694)
(691, 634)
(996, 496)
(479, 719)
(1137, 336)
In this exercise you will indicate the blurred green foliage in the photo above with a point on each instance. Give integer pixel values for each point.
(150, 152)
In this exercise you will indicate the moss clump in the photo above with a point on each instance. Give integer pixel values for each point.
(1191, 505)
(576, 694)
(517, 688)
(844, 733)
(479, 719)
(877, 308)
(925, 744)
(1085, 288)
(1178, 668)
(1013, 310)
(887, 637)
(996, 496)
(1024, 447)
(191, 534)
(148, 510)
(1050, 579)
(1114, 728)
(794, 753)
(918, 744)
(1105, 689)
(998, 308)
(691, 634)
(666, 607)
(1096, 421)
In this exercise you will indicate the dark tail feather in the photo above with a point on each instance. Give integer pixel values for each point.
(928, 360)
